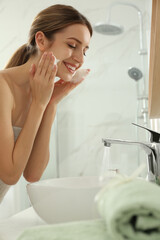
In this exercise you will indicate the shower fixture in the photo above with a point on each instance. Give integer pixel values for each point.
(108, 28)
(135, 73)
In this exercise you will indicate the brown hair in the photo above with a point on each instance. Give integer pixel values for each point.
(50, 21)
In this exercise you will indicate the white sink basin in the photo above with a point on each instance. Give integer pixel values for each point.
(65, 199)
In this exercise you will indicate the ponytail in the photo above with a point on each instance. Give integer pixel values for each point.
(20, 57)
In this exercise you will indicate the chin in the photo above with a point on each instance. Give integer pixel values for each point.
(65, 77)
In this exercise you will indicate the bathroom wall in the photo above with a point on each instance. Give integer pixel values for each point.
(103, 106)
(106, 104)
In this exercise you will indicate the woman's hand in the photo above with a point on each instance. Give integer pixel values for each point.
(62, 88)
(80, 75)
(42, 79)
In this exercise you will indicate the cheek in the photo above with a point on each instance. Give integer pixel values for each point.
(63, 73)
(62, 54)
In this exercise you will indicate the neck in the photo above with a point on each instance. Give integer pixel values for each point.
(20, 74)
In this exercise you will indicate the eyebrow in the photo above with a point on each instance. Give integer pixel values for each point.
(77, 40)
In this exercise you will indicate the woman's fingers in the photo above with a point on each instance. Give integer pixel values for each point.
(52, 69)
(46, 68)
(42, 79)
(80, 75)
(41, 63)
(59, 82)
(46, 64)
(52, 74)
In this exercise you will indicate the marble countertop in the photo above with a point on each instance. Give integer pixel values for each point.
(11, 228)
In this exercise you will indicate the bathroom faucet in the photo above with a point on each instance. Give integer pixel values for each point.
(152, 150)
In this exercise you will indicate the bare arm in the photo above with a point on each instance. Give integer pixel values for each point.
(14, 156)
(40, 152)
(39, 156)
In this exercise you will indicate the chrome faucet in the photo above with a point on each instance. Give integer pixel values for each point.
(152, 150)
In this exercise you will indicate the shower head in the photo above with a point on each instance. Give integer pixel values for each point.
(108, 29)
(135, 73)
(113, 29)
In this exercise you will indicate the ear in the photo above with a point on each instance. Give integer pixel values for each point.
(41, 41)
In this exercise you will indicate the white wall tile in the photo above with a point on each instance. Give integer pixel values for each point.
(105, 104)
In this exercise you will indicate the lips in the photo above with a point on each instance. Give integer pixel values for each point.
(70, 67)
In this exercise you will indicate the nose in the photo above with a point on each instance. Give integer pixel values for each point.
(78, 56)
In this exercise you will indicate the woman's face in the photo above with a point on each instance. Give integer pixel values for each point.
(70, 48)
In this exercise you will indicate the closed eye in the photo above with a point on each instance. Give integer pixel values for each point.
(71, 46)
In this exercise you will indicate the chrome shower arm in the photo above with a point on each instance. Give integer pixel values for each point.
(127, 4)
(139, 15)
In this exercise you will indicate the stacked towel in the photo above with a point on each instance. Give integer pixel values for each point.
(130, 210)
(82, 230)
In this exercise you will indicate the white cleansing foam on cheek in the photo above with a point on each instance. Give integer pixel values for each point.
(55, 63)
(56, 60)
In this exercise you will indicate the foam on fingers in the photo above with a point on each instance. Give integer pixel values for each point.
(80, 75)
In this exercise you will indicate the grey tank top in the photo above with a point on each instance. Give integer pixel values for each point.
(4, 187)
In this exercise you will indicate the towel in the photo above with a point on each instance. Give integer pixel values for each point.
(81, 230)
(130, 209)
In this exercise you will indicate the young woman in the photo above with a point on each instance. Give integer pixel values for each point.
(29, 94)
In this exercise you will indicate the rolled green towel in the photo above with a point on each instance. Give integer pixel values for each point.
(131, 209)
(81, 230)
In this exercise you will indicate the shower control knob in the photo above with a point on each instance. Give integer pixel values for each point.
(135, 73)
(144, 110)
(142, 52)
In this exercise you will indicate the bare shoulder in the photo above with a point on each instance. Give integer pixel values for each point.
(6, 95)
(6, 129)
(6, 101)
(6, 108)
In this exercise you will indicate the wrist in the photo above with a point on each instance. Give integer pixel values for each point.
(38, 107)
(50, 111)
